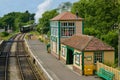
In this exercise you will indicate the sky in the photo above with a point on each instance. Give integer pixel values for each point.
(7, 6)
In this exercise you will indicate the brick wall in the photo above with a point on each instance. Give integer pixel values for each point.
(78, 27)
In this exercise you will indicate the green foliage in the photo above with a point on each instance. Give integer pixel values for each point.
(44, 22)
(112, 39)
(100, 17)
(16, 19)
(99, 14)
(48, 34)
(4, 34)
(91, 31)
(110, 64)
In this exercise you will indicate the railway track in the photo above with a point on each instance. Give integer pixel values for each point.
(4, 58)
(26, 69)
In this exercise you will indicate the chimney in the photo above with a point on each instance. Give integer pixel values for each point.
(76, 14)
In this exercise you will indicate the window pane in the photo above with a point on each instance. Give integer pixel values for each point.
(77, 59)
(67, 31)
(98, 56)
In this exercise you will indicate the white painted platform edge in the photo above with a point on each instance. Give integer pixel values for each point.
(47, 74)
(1, 41)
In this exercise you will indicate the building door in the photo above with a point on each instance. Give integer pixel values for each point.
(69, 56)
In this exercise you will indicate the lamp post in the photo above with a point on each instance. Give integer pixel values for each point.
(117, 26)
(119, 45)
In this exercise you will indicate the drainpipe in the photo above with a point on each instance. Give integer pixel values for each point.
(82, 62)
(59, 40)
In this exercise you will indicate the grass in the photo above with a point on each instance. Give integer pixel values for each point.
(39, 36)
(6, 36)
(35, 33)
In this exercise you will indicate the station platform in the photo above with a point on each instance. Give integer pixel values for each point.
(54, 68)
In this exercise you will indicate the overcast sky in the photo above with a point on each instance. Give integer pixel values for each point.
(7, 6)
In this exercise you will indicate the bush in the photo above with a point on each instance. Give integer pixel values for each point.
(4, 34)
(110, 64)
(41, 40)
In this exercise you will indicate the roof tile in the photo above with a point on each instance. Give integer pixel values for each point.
(86, 43)
(77, 41)
(66, 16)
(97, 44)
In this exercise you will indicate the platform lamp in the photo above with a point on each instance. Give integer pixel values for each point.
(119, 45)
(117, 26)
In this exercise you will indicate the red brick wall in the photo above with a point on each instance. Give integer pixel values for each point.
(78, 27)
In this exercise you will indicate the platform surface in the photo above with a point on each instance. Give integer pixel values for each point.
(54, 67)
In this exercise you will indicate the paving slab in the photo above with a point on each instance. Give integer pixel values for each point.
(54, 67)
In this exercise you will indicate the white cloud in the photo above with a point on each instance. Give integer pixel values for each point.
(41, 9)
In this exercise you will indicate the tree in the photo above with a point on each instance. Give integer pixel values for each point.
(66, 6)
(16, 19)
(44, 22)
(100, 19)
(100, 14)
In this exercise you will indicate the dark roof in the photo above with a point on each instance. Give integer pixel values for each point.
(66, 16)
(86, 43)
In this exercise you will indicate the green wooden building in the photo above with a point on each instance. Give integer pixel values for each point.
(64, 26)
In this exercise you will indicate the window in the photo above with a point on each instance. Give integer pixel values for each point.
(67, 31)
(71, 24)
(63, 51)
(67, 28)
(63, 24)
(98, 56)
(54, 31)
(77, 59)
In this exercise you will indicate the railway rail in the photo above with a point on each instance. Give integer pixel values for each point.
(4, 58)
(27, 71)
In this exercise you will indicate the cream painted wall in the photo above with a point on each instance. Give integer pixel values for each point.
(78, 66)
(109, 57)
(88, 58)
(63, 52)
(54, 46)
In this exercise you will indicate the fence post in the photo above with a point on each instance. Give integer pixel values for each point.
(97, 65)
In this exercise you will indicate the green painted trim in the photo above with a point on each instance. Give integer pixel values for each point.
(50, 30)
(114, 57)
(64, 47)
(102, 56)
(76, 53)
(67, 58)
(65, 51)
(82, 27)
(53, 39)
(70, 48)
(94, 56)
(59, 39)
(83, 62)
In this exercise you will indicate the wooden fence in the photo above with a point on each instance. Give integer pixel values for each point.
(115, 71)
